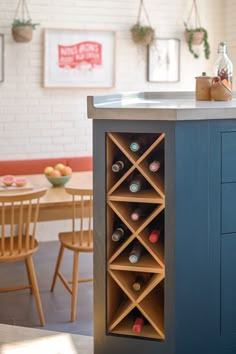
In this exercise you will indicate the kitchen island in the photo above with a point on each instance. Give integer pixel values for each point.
(187, 302)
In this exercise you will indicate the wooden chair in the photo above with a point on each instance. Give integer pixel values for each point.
(18, 219)
(77, 240)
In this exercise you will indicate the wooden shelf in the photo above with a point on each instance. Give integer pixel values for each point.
(120, 202)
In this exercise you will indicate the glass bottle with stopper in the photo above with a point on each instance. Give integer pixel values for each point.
(223, 67)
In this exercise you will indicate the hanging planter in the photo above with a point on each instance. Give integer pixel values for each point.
(22, 26)
(197, 35)
(142, 34)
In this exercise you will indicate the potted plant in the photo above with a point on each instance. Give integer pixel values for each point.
(142, 34)
(22, 26)
(22, 30)
(196, 35)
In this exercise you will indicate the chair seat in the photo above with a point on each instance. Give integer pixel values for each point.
(83, 246)
(15, 255)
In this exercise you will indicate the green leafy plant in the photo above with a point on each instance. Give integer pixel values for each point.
(19, 23)
(142, 34)
(190, 34)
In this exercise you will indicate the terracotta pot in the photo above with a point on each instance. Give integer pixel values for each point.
(147, 39)
(197, 37)
(22, 34)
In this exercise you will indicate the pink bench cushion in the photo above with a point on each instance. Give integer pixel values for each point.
(37, 166)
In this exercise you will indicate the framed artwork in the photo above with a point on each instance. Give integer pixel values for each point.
(164, 60)
(1, 57)
(79, 58)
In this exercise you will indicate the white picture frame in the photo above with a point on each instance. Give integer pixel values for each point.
(1, 57)
(79, 58)
(164, 60)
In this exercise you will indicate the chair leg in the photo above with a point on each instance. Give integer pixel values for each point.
(33, 280)
(74, 286)
(59, 260)
(29, 280)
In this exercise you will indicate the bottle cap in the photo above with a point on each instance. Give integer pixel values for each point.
(133, 258)
(117, 234)
(154, 166)
(134, 187)
(136, 214)
(117, 166)
(134, 146)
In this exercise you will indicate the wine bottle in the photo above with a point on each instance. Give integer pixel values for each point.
(137, 183)
(119, 233)
(118, 166)
(136, 214)
(135, 253)
(139, 212)
(155, 160)
(154, 235)
(138, 283)
(137, 143)
(140, 280)
(154, 166)
(119, 163)
(138, 325)
(138, 321)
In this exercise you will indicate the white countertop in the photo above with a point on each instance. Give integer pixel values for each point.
(158, 106)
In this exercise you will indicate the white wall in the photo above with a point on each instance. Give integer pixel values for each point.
(39, 122)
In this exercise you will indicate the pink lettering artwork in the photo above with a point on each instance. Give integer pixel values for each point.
(83, 56)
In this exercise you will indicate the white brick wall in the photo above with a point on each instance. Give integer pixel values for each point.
(39, 122)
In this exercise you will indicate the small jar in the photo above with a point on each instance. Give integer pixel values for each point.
(203, 87)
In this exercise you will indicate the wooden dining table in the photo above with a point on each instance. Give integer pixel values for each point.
(56, 203)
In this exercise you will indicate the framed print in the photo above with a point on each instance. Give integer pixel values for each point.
(79, 58)
(163, 60)
(1, 57)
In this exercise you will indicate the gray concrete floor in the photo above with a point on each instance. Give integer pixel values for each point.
(18, 308)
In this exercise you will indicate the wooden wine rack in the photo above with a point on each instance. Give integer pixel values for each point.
(121, 298)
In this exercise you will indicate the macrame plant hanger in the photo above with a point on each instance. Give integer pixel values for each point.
(194, 12)
(197, 36)
(143, 8)
(142, 34)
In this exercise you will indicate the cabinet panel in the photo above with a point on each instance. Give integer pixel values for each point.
(228, 211)
(229, 157)
(228, 284)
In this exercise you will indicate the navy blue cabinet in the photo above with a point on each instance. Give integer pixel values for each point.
(200, 238)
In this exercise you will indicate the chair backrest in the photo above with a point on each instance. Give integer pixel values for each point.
(18, 219)
(82, 213)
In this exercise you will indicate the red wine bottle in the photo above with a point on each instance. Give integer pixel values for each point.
(119, 233)
(138, 323)
(135, 253)
(154, 235)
